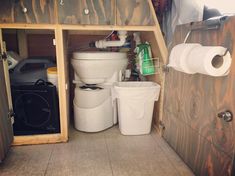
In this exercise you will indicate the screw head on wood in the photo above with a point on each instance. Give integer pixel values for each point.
(227, 116)
(24, 10)
(86, 11)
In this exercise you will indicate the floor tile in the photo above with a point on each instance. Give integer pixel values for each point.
(106, 153)
(26, 161)
(85, 155)
(137, 155)
(173, 158)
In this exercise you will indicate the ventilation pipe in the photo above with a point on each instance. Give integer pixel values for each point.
(105, 44)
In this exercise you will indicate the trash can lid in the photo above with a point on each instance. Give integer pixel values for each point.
(136, 84)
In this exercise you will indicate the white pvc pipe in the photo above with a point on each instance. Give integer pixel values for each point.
(104, 44)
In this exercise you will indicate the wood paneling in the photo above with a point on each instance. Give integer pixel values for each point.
(204, 158)
(195, 100)
(30, 43)
(134, 12)
(22, 43)
(99, 12)
(36, 11)
(6, 134)
(11, 42)
(41, 45)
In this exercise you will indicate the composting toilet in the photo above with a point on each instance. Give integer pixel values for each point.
(95, 73)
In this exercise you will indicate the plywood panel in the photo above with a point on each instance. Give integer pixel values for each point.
(41, 45)
(11, 42)
(99, 12)
(134, 12)
(196, 100)
(27, 11)
(204, 158)
(6, 133)
(22, 43)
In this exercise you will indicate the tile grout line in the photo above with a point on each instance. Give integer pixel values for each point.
(107, 148)
(158, 145)
(45, 172)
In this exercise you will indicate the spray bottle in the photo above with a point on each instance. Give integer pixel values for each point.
(145, 59)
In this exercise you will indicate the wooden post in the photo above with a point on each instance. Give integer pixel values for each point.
(22, 43)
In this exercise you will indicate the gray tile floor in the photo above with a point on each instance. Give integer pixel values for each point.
(107, 153)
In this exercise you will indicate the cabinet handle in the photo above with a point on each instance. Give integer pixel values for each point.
(226, 115)
(86, 11)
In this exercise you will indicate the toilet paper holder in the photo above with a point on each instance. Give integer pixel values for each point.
(216, 58)
(210, 24)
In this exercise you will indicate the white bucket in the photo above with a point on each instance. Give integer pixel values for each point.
(135, 106)
(52, 76)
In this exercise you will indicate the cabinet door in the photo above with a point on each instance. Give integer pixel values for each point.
(90, 12)
(194, 101)
(27, 11)
(6, 130)
(6, 134)
(134, 12)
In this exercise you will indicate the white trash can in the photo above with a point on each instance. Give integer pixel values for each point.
(135, 106)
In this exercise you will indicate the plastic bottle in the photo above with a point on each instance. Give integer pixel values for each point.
(145, 60)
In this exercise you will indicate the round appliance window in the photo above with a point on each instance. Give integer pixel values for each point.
(33, 109)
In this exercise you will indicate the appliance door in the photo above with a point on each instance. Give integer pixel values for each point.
(36, 109)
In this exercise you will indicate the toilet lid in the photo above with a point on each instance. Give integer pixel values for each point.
(90, 87)
(99, 55)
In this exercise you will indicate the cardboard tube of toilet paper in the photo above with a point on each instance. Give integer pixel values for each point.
(209, 60)
(179, 56)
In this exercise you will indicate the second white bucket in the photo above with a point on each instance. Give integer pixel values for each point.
(135, 106)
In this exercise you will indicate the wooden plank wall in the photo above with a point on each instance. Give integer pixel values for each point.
(11, 42)
(36, 44)
(42, 11)
(204, 141)
(41, 45)
(135, 12)
(101, 12)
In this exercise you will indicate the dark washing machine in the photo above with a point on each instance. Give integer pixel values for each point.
(36, 109)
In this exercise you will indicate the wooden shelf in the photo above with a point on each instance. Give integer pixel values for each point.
(27, 26)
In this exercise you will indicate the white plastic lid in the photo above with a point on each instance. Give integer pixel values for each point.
(99, 55)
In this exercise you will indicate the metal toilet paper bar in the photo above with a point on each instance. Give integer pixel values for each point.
(210, 24)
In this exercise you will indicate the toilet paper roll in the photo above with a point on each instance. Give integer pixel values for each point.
(179, 55)
(194, 58)
(209, 60)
